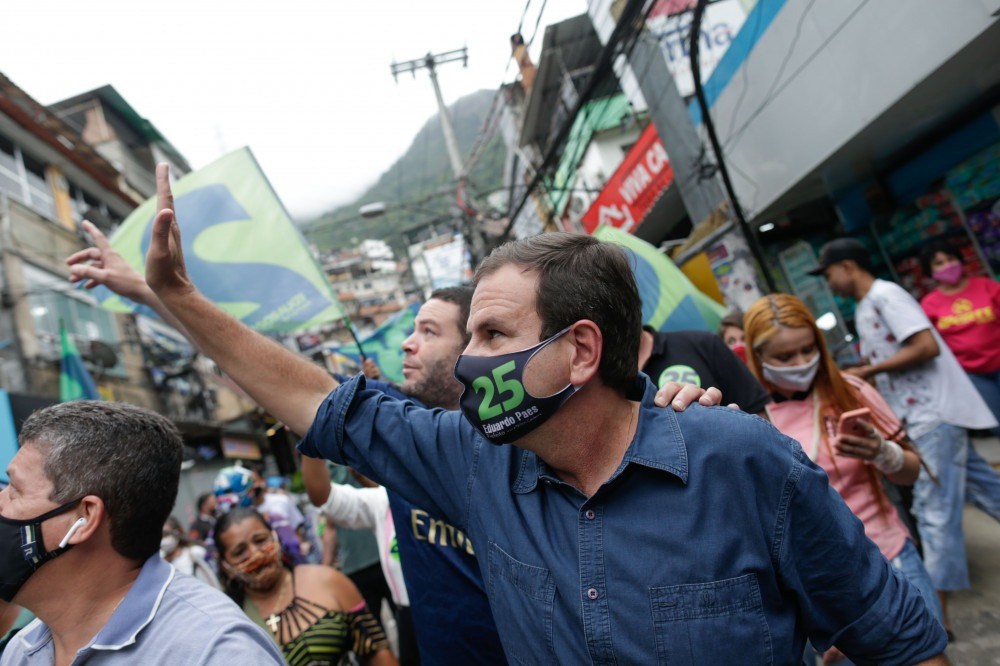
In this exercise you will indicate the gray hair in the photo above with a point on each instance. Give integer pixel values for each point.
(128, 456)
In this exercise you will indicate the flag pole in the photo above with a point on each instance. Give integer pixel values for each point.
(354, 336)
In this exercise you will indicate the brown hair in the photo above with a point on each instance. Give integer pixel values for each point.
(579, 277)
(462, 297)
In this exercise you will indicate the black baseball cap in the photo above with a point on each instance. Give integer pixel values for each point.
(839, 250)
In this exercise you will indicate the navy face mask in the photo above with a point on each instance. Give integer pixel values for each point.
(495, 400)
(22, 550)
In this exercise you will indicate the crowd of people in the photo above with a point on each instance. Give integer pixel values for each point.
(552, 482)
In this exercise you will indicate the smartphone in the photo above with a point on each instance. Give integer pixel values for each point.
(850, 423)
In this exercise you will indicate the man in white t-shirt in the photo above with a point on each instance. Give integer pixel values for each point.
(924, 384)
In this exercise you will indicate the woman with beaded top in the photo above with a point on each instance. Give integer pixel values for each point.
(314, 613)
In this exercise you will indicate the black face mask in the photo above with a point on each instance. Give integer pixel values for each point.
(22, 550)
(495, 401)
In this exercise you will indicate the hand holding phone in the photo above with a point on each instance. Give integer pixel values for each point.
(856, 422)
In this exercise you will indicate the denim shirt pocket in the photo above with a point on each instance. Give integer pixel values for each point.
(720, 622)
(522, 598)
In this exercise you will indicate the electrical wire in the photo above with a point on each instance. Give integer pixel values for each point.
(775, 91)
(538, 22)
(492, 121)
(524, 14)
(623, 38)
(744, 75)
(699, 92)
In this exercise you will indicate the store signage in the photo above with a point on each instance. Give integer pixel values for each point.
(635, 186)
(670, 24)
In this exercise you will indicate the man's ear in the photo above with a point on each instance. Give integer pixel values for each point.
(588, 345)
(90, 514)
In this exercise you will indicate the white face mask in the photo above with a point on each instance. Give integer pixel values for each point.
(792, 377)
(168, 544)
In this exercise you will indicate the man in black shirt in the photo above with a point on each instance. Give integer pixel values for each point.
(702, 359)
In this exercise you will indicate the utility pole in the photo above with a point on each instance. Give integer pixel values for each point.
(430, 62)
(701, 195)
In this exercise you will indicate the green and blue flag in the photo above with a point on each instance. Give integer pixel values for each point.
(385, 345)
(670, 302)
(75, 382)
(241, 249)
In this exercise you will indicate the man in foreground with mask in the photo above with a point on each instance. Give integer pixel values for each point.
(80, 529)
(611, 530)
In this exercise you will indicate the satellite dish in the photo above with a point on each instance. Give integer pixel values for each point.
(102, 355)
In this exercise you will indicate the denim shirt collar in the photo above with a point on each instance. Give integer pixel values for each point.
(657, 444)
(136, 611)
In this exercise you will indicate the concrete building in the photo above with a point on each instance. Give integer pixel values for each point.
(846, 118)
(51, 178)
(368, 282)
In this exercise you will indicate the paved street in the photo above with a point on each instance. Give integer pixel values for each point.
(975, 613)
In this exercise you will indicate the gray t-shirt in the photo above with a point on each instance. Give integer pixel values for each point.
(166, 618)
(932, 393)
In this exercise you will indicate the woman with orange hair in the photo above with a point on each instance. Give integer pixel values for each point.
(788, 354)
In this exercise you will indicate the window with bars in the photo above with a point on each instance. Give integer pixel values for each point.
(51, 300)
(33, 187)
(10, 181)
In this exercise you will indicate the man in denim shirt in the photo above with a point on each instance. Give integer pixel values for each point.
(611, 531)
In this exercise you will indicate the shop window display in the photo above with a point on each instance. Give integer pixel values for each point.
(962, 212)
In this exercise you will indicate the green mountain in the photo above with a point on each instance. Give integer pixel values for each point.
(421, 180)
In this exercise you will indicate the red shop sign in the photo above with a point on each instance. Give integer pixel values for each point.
(635, 186)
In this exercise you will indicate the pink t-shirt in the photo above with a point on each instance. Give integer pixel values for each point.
(848, 476)
(969, 323)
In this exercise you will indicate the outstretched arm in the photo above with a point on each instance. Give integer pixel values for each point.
(287, 385)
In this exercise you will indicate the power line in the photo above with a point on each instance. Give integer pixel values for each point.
(744, 74)
(699, 12)
(631, 12)
(776, 89)
(538, 22)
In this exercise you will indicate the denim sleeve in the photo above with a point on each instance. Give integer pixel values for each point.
(848, 594)
(427, 456)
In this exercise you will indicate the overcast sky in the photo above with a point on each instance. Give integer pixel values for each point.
(305, 84)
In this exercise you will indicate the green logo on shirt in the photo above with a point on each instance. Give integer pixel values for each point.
(683, 374)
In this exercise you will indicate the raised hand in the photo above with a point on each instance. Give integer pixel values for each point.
(165, 269)
(370, 369)
(102, 265)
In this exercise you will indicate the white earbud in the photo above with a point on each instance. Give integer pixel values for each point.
(80, 522)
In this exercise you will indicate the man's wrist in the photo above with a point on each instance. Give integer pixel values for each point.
(174, 294)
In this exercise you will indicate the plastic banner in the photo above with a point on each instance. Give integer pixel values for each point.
(241, 248)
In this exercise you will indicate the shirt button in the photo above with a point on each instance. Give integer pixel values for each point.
(590, 514)
(592, 593)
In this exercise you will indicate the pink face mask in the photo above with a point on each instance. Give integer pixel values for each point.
(949, 274)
